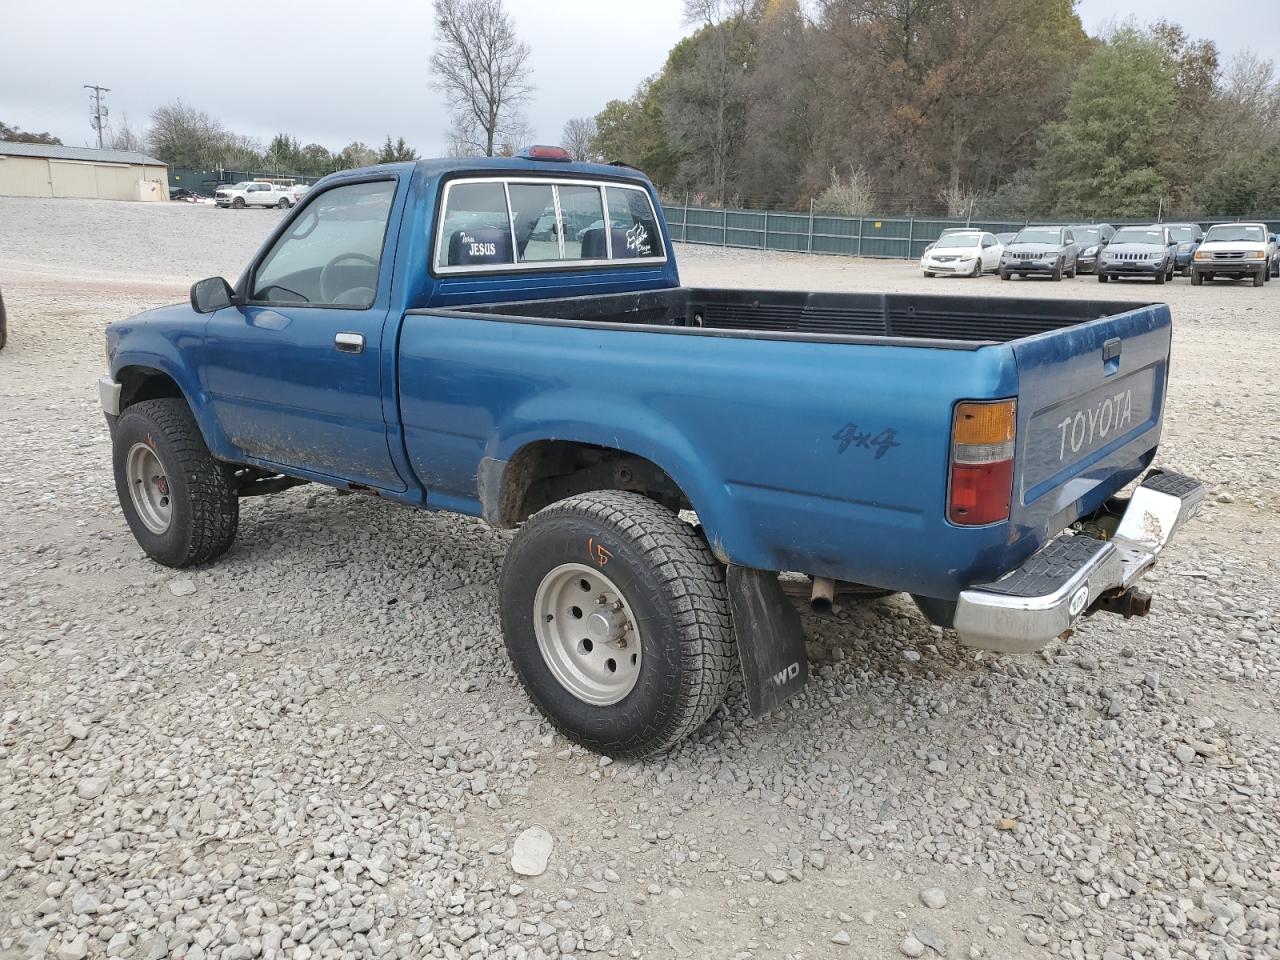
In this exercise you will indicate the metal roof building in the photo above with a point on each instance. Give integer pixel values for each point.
(44, 170)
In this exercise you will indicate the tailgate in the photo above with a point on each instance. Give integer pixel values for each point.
(1090, 400)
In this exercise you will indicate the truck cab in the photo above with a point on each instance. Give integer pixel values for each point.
(509, 339)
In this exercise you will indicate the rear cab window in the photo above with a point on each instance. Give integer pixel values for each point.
(496, 223)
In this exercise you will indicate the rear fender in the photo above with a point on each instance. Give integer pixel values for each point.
(557, 416)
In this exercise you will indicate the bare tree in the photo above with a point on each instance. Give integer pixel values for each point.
(483, 67)
(578, 134)
(124, 137)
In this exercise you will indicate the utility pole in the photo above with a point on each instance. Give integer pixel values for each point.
(97, 112)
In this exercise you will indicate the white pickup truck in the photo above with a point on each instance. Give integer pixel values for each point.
(1236, 250)
(255, 193)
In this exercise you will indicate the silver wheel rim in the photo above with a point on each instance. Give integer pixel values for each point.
(587, 634)
(149, 488)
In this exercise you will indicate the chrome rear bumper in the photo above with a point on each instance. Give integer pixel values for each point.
(1069, 575)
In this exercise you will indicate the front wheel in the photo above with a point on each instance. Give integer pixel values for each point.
(238, 203)
(1102, 277)
(1197, 278)
(928, 274)
(616, 617)
(283, 204)
(977, 268)
(1057, 271)
(1160, 277)
(179, 502)
(1004, 274)
(1260, 277)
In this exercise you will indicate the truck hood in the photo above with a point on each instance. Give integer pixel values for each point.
(1233, 246)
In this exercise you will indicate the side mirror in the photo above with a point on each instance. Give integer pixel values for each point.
(211, 294)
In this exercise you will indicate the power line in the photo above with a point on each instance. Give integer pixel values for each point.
(97, 112)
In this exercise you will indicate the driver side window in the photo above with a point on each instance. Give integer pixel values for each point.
(331, 253)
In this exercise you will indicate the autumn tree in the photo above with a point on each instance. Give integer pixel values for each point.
(483, 68)
(15, 134)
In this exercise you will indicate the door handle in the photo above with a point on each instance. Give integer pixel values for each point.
(349, 342)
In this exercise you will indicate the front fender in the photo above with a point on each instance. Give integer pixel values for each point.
(168, 341)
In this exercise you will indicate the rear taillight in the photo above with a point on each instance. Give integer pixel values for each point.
(982, 436)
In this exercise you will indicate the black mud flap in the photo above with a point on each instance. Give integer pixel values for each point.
(770, 638)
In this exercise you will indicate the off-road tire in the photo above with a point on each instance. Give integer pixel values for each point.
(205, 509)
(675, 587)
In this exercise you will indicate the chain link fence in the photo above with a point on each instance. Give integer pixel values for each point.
(870, 236)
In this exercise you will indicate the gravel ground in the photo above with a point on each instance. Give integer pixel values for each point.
(316, 747)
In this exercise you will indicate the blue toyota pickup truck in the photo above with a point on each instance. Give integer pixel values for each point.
(509, 339)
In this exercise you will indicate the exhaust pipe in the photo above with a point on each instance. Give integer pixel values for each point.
(823, 595)
(1128, 603)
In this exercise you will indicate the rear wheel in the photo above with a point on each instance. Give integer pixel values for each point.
(616, 617)
(179, 502)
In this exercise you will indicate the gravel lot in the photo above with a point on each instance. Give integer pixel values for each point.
(316, 747)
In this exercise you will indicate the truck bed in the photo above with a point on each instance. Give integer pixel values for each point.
(746, 400)
(905, 319)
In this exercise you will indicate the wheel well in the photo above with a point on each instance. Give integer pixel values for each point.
(144, 383)
(546, 471)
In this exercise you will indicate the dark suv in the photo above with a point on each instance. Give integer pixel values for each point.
(1187, 236)
(1139, 252)
(1047, 251)
(1092, 238)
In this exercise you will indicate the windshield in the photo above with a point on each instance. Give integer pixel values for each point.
(1183, 231)
(1039, 235)
(952, 240)
(1085, 234)
(1139, 235)
(1235, 231)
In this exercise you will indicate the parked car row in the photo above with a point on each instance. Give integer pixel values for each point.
(1155, 251)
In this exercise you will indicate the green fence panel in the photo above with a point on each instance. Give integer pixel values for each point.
(787, 231)
(870, 236)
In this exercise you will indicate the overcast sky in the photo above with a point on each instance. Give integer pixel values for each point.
(346, 71)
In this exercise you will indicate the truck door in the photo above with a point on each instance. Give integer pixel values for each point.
(295, 369)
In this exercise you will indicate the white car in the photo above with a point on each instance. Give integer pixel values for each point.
(255, 193)
(968, 253)
(1236, 250)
